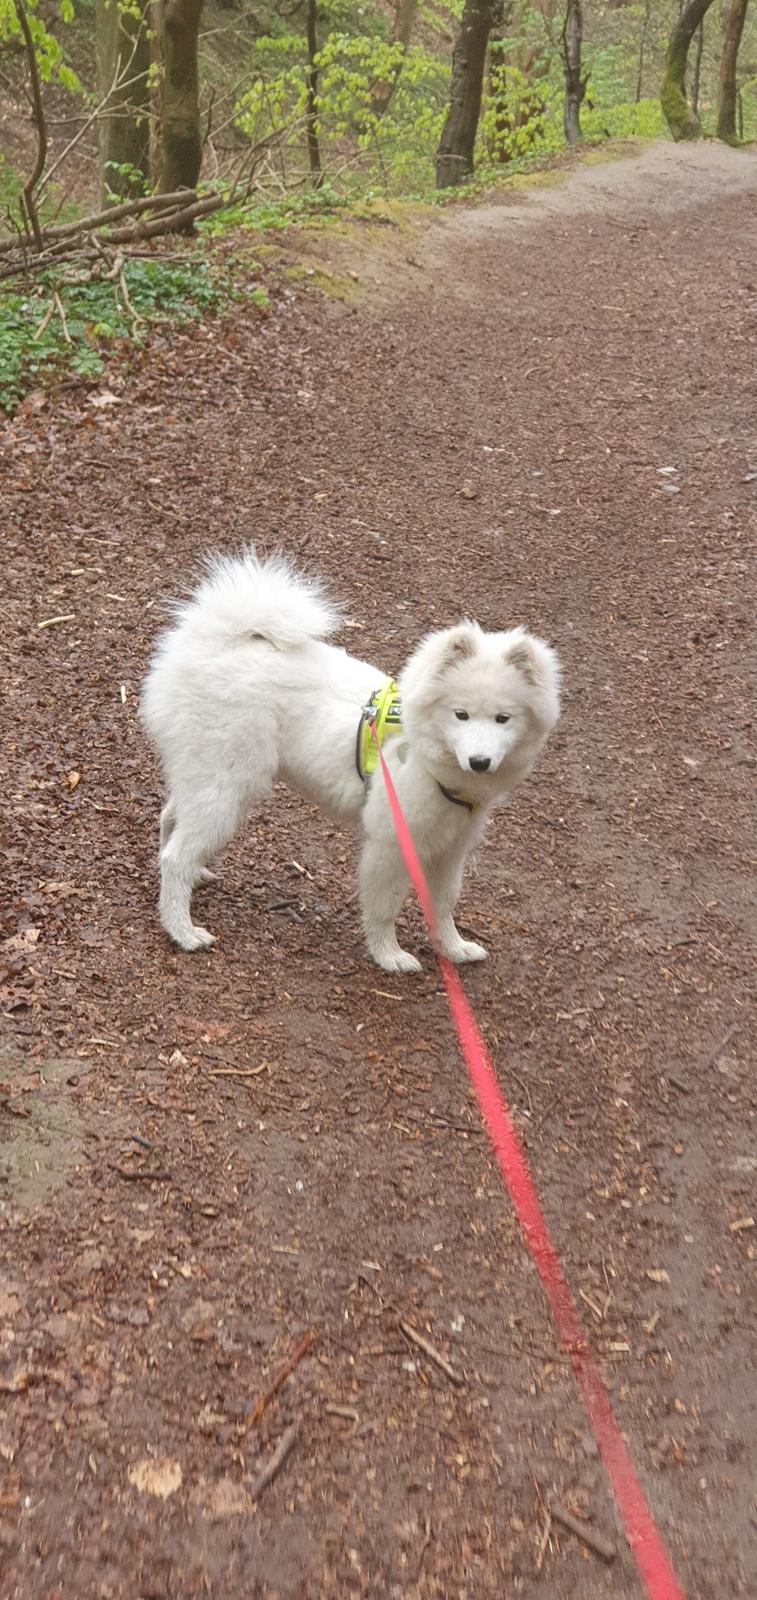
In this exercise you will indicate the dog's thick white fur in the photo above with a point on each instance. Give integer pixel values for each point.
(243, 690)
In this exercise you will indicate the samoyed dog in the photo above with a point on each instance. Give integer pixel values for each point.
(243, 690)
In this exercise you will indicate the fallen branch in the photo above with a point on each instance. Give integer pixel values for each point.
(101, 219)
(173, 221)
(284, 1372)
(273, 1467)
(173, 212)
(594, 1541)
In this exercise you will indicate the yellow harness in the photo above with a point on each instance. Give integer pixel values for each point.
(384, 710)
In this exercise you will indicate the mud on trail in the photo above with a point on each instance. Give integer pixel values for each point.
(548, 417)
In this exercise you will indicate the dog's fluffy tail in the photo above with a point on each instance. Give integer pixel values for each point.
(248, 597)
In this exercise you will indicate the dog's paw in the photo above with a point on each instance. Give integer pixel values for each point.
(196, 939)
(468, 950)
(205, 876)
(399, 961)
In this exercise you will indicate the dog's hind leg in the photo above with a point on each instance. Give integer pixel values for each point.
(203, 875)
(200, 826)
(167, 821)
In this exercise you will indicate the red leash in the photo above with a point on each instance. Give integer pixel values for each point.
(641, 1530)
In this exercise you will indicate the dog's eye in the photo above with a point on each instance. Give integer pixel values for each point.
(501, 717)
(462, 716)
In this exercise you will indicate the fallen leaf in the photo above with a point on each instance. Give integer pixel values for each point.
(23, 941)
(14, 1380)
(469, 490)
(104, 398)
(73, 779)
(658, 1275)
(156, 1475)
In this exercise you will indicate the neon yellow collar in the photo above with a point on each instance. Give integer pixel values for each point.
(384, 710)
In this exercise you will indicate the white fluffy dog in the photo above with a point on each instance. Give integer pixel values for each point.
(243, 690)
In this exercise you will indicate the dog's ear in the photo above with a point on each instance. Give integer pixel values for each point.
(519, 656)
(459, 645)
(535, 660)
(522, 654)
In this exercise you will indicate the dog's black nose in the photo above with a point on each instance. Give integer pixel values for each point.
(480, 763)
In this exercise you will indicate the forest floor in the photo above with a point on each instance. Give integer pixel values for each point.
(540, 409)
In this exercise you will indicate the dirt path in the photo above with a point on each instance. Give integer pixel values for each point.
(587, 361)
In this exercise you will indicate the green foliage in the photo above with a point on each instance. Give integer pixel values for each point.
(281, 210)
(135, 182)
(51, 62)
(394, 151)
(34, 349)
(644, 120)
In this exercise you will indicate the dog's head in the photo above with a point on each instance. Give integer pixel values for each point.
(470, 699)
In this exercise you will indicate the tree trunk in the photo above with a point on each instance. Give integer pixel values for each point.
(734, 27)
(454, 157)
(697, 70)
(181, 143)
(123, 59)
(642, 48)
(382, 89)
(314, 150)
(681, 120)
(575, 85)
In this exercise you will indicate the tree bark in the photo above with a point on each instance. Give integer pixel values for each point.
(314, 149)
(697, 70)
(454, 157)
(642, 48)
(734, 27)
(681, 120)
(180, 138)
(382, 89)
(29, 207)
(575, 85)
(123, 59)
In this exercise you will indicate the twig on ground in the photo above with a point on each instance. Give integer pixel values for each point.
(677, 1083)
(135, 315)
(145, 1175)
(285, 1371)
(595, 1541)
(62, 315)
(273, 1467)
(709, 1061)
(544, 1541)
(237, 1072)
(429, 1350)
(348, 1412)
(50, 312)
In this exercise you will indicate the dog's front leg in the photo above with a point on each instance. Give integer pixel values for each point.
(383, 886)
(445, 883)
